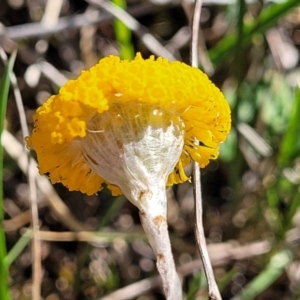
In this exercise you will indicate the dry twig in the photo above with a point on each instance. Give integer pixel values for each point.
(213, 290)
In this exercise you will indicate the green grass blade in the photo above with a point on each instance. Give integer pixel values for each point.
(4, 88)
(268, 17)
(197, 282)
(239, 57)
(17, 248)
(266, 277)
(123, 34)
(290, 145)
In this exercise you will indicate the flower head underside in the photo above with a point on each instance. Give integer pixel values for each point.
(176, 99)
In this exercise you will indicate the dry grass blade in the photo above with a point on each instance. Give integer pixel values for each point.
(142, 32)
(52, 12)
(32, 30)
(36, 243)
(36, 255)
(221, 254)
(16, 151)
(17, 222)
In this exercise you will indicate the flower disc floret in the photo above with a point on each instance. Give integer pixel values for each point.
(61, 122)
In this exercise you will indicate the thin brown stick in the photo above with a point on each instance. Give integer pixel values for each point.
(88, 236)
(17, 222)
(36, 243)
(195, 33)
(213, 291)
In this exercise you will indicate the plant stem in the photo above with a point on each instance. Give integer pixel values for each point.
(154, 222)
(213, 291)
(156, 229)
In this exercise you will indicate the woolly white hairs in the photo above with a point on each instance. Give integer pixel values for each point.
(134, 146)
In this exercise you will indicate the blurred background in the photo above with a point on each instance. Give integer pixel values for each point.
(95, 246)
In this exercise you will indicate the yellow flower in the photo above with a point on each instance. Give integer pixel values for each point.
(166, 112)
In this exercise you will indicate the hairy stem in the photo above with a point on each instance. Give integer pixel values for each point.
(156, 229)
(153, 214)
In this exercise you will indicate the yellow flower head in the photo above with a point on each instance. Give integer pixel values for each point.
(165, 112)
